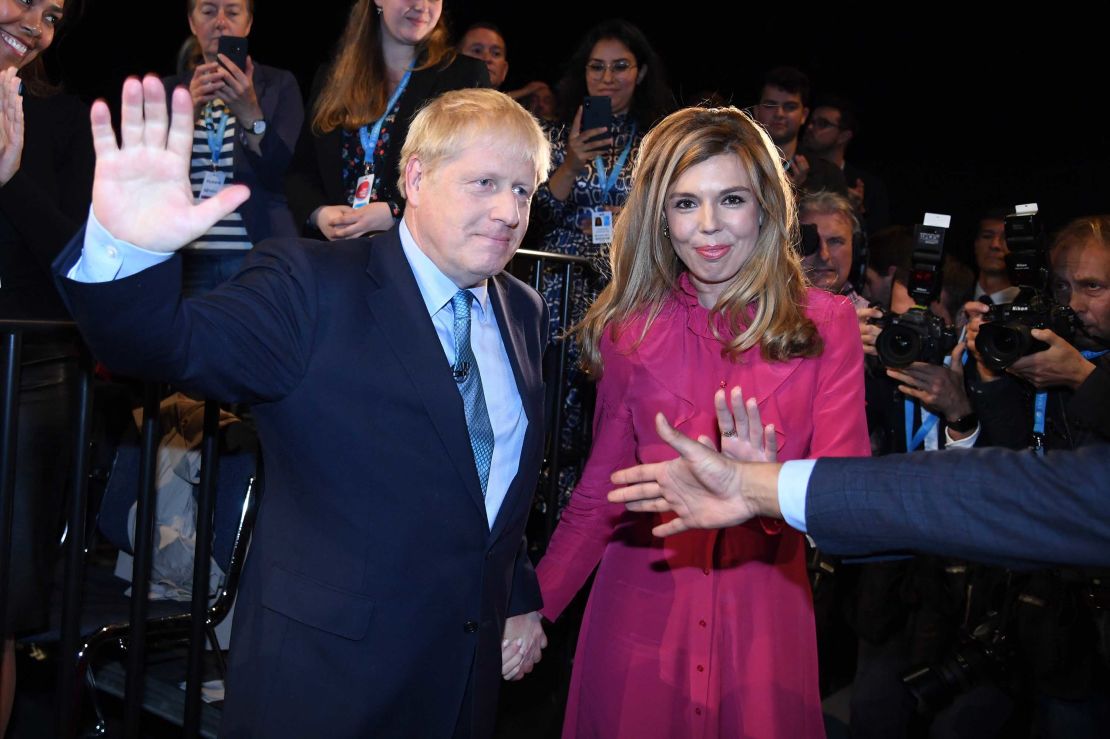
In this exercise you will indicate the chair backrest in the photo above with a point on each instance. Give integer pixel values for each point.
(235, 474)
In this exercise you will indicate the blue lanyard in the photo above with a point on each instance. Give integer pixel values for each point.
(370, 137)
(608, 182)
(215, 135)
(928, 420)
(1040, 403)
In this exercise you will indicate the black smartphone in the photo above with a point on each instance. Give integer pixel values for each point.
(597, 112)
(235, 49)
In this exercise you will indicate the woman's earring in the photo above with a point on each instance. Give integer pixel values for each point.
(666, 231)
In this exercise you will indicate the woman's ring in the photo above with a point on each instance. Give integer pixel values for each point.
(729, 434)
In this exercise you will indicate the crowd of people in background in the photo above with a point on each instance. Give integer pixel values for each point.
(324, 164)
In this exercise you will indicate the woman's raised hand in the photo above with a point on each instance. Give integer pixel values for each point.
(141, 190)
(11, 125)
(743, 436)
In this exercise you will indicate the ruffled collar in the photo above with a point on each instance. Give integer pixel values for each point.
(698, 318)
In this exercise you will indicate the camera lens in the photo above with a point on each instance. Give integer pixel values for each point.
(898, 346)
(1002, 344)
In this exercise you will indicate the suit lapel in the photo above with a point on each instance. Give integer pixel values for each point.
(395, 301)
(529, 385)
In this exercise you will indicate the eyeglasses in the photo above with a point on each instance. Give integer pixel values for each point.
(788, 107)
(619, 67)
(822, 123)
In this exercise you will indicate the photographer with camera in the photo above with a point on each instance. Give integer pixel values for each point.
(1043, 381)
(1055, 389)
(937, 386)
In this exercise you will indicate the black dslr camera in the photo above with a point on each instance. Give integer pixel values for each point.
(1006, 333)
(919, 335)
(984, 653)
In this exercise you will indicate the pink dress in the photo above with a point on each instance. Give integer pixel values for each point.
(710, 633)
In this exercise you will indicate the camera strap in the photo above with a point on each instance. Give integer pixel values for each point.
(928, 420)
(1040, 404)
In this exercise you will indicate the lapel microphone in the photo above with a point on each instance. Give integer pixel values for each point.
(460, 372)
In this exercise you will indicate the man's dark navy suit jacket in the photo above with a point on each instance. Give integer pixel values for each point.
(375, 593)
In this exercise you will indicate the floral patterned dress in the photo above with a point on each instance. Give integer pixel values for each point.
(564, 227)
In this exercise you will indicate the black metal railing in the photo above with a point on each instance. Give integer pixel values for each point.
(539, 262)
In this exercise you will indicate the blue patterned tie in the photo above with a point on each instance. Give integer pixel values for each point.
(470, 385)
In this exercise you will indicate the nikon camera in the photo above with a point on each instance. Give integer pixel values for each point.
(919, 335)
(1006, 333)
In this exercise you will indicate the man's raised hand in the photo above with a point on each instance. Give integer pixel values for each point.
(141, 190)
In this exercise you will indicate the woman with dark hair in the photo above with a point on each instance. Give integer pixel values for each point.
(589, 182)
(703, 634)
(46, 165)
(394, 56)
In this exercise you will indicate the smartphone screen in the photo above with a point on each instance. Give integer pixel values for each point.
(597, 112)
(235, 49)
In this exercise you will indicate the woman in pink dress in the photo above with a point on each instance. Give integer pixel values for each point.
(709, 633)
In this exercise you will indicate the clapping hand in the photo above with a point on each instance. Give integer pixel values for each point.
(11, 125)
(141, 190)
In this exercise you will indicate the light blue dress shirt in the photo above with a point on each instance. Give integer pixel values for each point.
(506, 413)
(105, 258)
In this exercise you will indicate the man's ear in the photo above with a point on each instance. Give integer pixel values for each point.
(414, 179)
(845, 137)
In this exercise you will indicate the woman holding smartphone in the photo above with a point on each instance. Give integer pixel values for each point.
(615, 66)
(248, 117)
(393, 57)
(707, 318)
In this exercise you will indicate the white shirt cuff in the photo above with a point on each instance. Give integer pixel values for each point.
(105, 258)
(793, 481)
(967, 443)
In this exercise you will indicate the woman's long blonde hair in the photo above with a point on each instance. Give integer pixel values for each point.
(764, 303)
(356, 91)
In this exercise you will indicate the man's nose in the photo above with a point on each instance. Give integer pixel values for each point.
(506, 208)
(823, 251)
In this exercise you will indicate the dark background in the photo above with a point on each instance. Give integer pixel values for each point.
(959, 112)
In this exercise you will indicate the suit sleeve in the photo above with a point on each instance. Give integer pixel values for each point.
(589, 519)
(989, 505)
(247, 341)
